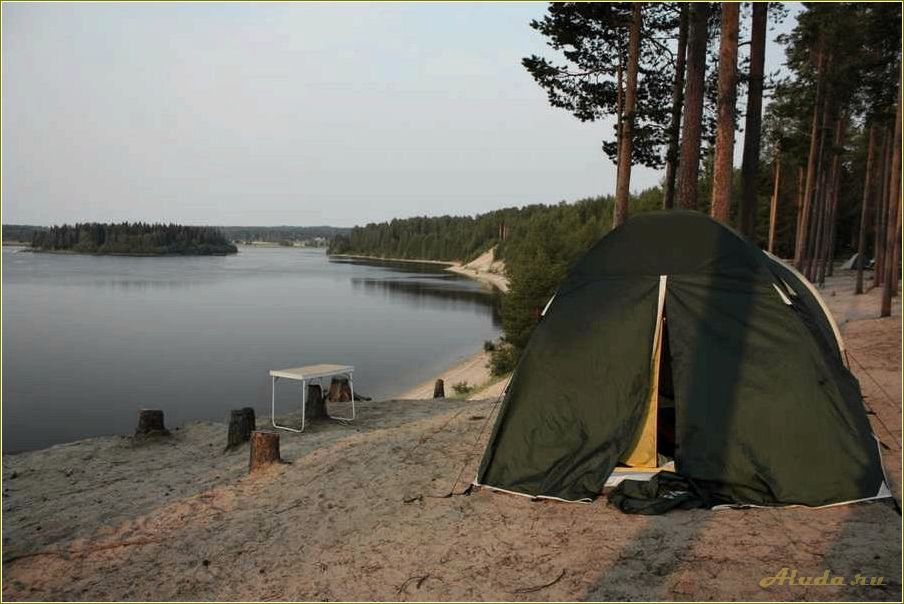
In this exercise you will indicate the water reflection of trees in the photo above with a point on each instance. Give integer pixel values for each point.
(395, 265)
(439, 291)
(136, 284)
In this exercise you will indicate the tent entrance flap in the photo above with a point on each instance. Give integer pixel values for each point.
(642, 453)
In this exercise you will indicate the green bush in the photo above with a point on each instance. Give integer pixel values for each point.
(503, 360)
(489, 346)
(462, 388)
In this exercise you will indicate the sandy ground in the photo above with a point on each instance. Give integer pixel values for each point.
(363, 512)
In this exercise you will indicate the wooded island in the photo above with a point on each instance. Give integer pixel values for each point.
(138, 239)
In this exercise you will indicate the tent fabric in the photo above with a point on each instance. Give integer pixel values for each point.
(856, 261)
(808, 307)
(551, 442)
(766, 411)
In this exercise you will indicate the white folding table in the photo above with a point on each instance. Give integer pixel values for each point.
(304, 374)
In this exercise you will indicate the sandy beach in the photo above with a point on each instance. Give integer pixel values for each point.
(471, 370)
(484, 268)
(376, 510)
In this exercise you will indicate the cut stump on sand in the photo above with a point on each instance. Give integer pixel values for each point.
(150, 423)
(315, 405)
(241, 424)
(264, 450)
(439, 390)
(340, 391)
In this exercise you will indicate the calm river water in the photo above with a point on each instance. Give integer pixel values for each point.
(88, 340)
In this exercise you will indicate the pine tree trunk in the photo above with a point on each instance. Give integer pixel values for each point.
(890, 280)
(818, 197)
(896, 258)
(671, 161)
(800, 204)
(626, 146)
(619, 112)
(725, 112)
(803, 230)
(753, 125)
(689, 164)
(825, 250)
(894, 223)
(882, 212)
(865, 207)
(811, 261)
(773, 204)
(833, 227)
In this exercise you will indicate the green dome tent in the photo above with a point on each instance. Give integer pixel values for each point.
(676, 340)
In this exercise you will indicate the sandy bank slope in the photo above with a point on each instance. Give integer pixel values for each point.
(360, 514)
(471, 370)
(484, 268)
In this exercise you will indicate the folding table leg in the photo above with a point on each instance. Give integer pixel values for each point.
(273, 408)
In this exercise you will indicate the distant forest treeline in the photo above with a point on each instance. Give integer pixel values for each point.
(133, 238)
(20, 233)
(312, 235)
(284, 234)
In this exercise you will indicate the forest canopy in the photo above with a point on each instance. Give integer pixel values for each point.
(136, 238)
(313, 235)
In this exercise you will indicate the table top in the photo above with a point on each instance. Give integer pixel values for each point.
(311, 371)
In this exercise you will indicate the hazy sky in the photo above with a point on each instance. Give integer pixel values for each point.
(261, 114)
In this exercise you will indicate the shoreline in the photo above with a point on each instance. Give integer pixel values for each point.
(471, 369)
(132, 254)
(385, 259)
(482, 269)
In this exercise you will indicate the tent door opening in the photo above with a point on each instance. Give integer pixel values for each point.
(654, 447)
(665, 409)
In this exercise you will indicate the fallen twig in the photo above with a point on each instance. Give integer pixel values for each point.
(297, 504)
(527, 590)
(419, 581)
(83, 551)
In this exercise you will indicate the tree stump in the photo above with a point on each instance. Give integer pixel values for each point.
(264, 450)
(315, 405)
(150, 423)
(439, 390)
(340, 391)
(241, 424)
